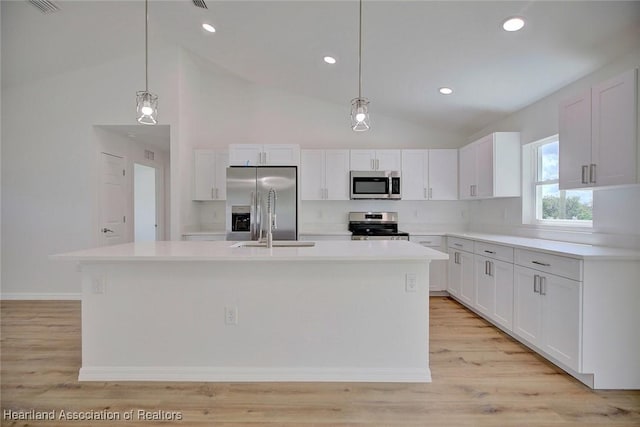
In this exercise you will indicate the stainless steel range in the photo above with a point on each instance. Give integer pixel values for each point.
(375, 226)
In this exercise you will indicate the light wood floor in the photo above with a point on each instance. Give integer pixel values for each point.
(481, 377)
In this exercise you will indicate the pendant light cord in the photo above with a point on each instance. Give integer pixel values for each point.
(360, 54)
(146, 46)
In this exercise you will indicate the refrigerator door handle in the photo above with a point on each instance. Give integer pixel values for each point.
(259, 215)
(252, 215)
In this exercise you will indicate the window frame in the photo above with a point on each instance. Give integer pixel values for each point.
(532, 164)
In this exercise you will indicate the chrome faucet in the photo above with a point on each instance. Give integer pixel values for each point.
(271, 216)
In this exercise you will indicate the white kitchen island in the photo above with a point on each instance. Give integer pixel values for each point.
(209, 311)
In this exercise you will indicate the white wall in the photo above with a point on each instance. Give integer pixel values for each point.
(615, 217)
(47, 158)
(223, 109)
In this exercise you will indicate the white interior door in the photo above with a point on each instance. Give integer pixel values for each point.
(145, 215)
(113, 201)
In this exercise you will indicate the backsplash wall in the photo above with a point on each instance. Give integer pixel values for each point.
(414, 216)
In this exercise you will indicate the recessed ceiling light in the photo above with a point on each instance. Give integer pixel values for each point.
(209, 28)
(513, 24)
(445, 90)
(329, 59)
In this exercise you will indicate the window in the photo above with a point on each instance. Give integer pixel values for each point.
(550, 205)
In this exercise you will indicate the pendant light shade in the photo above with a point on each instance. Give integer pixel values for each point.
(360, 114)
(146, 102)
(360, 106)
(147, 108)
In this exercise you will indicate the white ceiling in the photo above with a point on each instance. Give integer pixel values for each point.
(410, 48)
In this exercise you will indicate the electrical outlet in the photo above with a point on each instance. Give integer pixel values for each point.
(98, 285)
(231, 315)
(411, 283)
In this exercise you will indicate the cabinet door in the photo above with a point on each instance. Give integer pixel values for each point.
(362, 160)
(281, 154)
(442, 174)
(221, 162)
(336, 171)
(527, 308)
(561, 318)
(204, 174)
(575, 141)
(484, 300)
(467, 283)
(388, 160)
(455, 273)
(503, 305)
(312, 175)
(245, 154)
(467, 171)
(415, 174)
(484, 167)
(614, 142)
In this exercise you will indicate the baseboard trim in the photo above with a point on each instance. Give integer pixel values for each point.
(253, 374)
(28, 296)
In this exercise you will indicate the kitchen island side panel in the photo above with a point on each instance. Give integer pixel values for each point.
(298, 321)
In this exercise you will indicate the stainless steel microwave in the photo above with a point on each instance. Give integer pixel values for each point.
(375, 185)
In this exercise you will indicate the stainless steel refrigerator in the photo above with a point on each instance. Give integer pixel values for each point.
(247, 193)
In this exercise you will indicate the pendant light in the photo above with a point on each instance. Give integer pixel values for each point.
(147, 103)
(360, 106)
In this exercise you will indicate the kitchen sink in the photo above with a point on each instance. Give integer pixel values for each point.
(276, 244)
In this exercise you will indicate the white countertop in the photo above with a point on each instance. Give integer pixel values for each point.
(573, 250)
(343, 251)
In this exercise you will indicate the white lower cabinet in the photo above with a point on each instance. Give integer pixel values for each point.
(461, 275)
(548, 314)
(580, 312)
(437, 269)
(494, 289)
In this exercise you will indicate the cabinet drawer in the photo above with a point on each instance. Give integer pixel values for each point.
(424, 240)
(570, 268)
(490, 250)
(460, 244)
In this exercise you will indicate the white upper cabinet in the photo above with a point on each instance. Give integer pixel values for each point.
(415, 174)
(490, 167)
(369, 160)
(264, 155)
(210, 174)
(598, 135)
(324, 174)
(430, 174)
(443, 174)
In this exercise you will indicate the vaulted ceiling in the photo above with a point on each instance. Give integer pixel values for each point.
(410, 48)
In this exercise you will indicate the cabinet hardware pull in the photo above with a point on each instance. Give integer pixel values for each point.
(457, 244)
(457, 258)
(592, 173)
(212, 193)
(486, 268)
(541, 263)
(430, 193)
(217, 197)
(106, 230)
(585, 179)
(543, 285)
(489, 252)
(536, 284)
(490, 269)
(425, 242)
